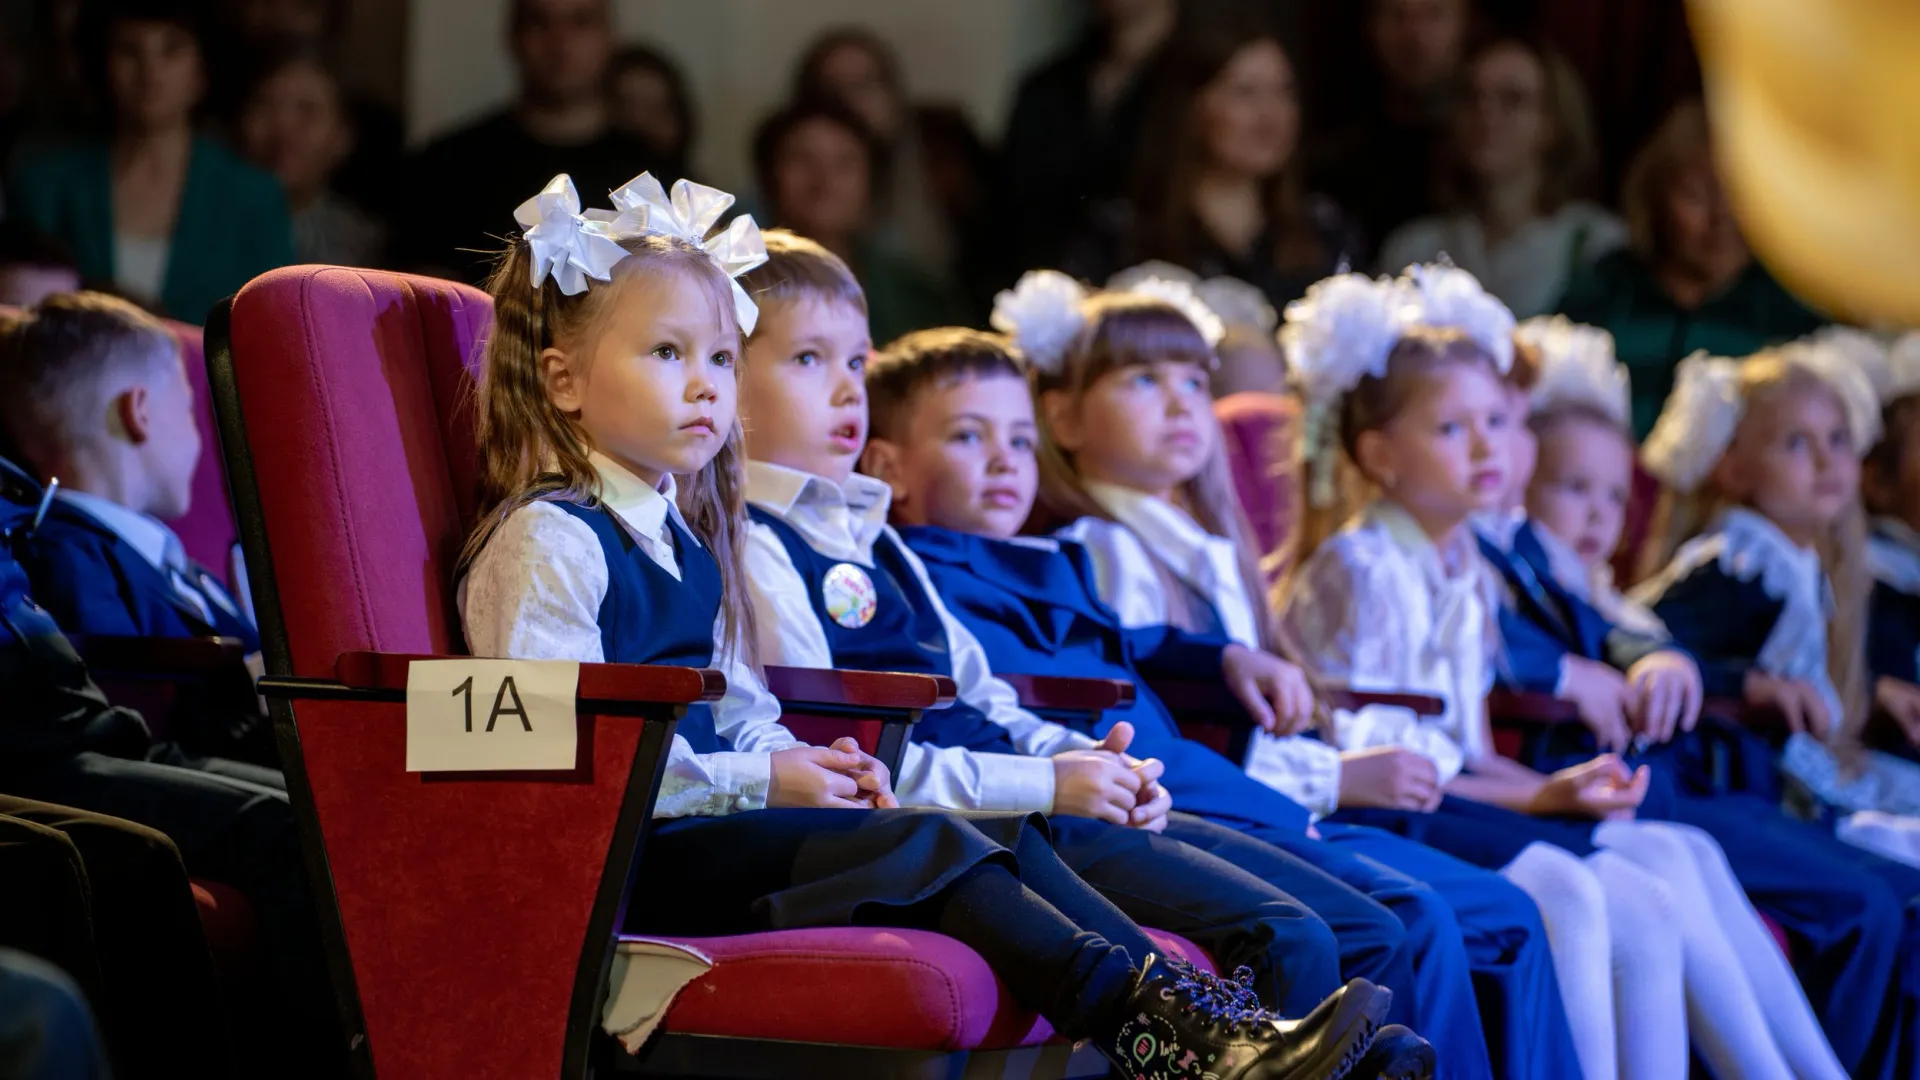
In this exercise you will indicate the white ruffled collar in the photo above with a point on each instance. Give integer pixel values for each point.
(1754, 547)
(1894, 553)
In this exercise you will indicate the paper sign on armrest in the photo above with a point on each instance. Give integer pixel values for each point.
(486, 715)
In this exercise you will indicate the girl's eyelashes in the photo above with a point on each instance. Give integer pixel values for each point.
(1024, 443)
(807, 359)
(666, 352)
(858, 363)
(722, 359)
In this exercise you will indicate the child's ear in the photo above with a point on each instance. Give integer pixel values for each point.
(133, 410)
(1062, 420)
(557, 379)
(1374, 454)
(881, 460)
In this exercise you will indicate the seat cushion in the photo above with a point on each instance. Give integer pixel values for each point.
(908, 989)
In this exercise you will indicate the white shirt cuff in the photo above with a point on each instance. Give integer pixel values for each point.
(742, 779)
(1011, 782)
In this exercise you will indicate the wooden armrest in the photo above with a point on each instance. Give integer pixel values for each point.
(613, 689)
(832, 688)
(1511, 707)
(1063, 694)
(177, 659)
(1340, 697)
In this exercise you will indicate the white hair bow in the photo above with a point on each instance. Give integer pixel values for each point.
(643, 207)
(1042, 315)
(1697, 423)
(567, 244)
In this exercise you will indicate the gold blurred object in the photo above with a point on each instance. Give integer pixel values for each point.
(1816, 109)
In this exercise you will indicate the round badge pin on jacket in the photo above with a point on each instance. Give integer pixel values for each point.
(849, 595)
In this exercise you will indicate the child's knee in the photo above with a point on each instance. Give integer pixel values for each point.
(1565, 888)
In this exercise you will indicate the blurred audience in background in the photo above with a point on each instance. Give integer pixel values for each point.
(647, 93)
(1514, 180)
(1219, 186)
(1687, 281)
(171, 217)
(295, 124)
(1381, 166)
(817, 164)
(1073, 136)
(558, 122)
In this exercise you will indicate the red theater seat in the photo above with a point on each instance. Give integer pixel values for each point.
(471, 916)
(1258, 432)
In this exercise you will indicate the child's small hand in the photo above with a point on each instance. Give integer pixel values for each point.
(1155, 801)
(1797, 701)
(1600, 695)
(1663, 694)
(876, 784)
(819, 776)
(1601, 789)
(1097, 782)
(1388, 776)
(1275, 692)
(1901, 700)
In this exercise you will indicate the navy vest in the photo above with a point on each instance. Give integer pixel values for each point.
(905, 634)
(647, 617)
(1038, 612)
(1545, 621)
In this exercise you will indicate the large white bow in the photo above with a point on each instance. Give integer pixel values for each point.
(565, 243)
(642, 206)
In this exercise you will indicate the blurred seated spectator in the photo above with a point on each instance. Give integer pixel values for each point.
(648, 95)
(1688, 280)
(294, 123)
(46, 1031)
(1220, 186)
(172, 218)
(815, 164)
(1072, 139)
(109, 903)
(464, 186)
(61, 741)
(931, 165)
(92, 391)
(33, 265)
(1513, 179)
(1381, 164)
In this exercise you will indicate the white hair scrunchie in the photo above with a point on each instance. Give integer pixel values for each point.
(1697, 423)
(1042, 315)
(1577, 367)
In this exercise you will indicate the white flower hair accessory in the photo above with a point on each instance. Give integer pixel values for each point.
(1233, 302)
(1903, 367)
(1182, 298)
(643, 208)
(1697, 423)
(1239, 303)
(1042, 315)
(1342, 330)
(1451, 297)
(567, 245)
(1849, 366)
(1577, 367)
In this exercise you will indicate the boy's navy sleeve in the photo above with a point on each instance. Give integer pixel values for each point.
(80, 585)
(1174, 653)
(1723, 621)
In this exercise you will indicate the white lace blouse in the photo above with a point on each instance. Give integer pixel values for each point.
(1379, 607)
(1156, 566)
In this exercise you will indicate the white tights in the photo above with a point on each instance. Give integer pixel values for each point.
(1651, 936)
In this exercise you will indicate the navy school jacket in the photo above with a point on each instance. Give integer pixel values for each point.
(1036, 611)
(1543, 622)
(96, 583)
(1893, 614)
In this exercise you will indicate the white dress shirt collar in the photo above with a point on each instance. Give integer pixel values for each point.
(842, 519)
(642, 508)
(1204, 562)
(142, 532)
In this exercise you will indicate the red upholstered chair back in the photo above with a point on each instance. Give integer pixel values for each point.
(207, 530)
(1257, 432)
(357, 391)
